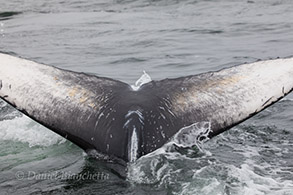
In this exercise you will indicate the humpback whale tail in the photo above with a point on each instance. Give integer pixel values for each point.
(112, 118)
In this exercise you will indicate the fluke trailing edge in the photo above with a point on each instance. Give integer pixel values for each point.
(112, 118)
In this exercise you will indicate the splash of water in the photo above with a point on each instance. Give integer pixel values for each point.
(207, 173)
(15, 126)
(23, 129)
(145, 78)
(8, 112)
(156, 167)
(194, 134)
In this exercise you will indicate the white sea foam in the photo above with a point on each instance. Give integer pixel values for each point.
(25, 130)
(250, 182)
(286, 99)
(145, 78)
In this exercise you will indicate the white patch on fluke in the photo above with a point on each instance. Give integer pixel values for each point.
(145, 78)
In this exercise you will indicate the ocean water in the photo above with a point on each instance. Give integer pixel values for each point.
(167, 39)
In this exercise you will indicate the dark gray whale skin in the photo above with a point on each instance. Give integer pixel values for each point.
(108, 116)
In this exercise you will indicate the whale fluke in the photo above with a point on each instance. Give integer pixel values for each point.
(109, 116)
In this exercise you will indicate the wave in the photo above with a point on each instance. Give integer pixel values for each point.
(234, 164)
(23, 129)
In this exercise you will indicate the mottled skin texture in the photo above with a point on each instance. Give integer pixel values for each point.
(102, 114)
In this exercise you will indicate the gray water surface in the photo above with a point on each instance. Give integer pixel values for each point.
(167, 39)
